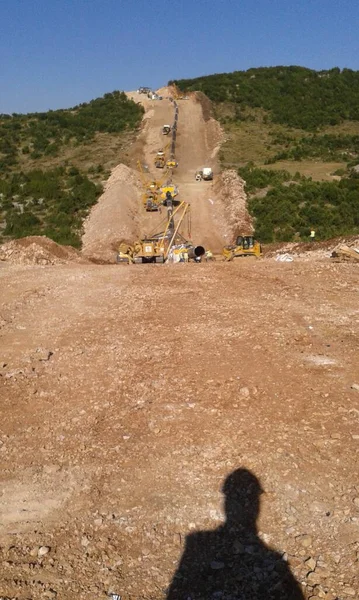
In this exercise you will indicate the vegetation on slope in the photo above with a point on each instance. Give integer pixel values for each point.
(298, 120)
(294, 96)
(39, 134)
(52, 203)
(291, 207)
(51, 165)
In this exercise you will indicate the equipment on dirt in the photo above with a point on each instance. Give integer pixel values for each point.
(245, 245)
(168, 187)
(144, 90)
(166, 129)
(208, 256)
(206, 174)
(160, 159)
(151, 201)
(171, 163)
(156, 248)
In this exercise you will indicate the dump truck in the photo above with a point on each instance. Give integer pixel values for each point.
(245, 245)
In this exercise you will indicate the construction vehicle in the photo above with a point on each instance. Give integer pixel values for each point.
(206, 174)
(144, 90)
(166, 129)
(171, 163)
(245, 245)
(169, 244)
(160, 159)
(168, 187)
(151, 201)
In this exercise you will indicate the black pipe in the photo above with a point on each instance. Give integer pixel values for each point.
(196, 251)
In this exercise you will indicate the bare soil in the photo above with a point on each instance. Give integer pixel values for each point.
(128, 394)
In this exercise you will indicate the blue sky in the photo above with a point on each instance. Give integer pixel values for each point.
(57, 53)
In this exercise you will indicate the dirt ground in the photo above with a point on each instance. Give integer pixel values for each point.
(130, 394)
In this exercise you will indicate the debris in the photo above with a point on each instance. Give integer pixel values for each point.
(284, 258)
(345, 253)
(43, 550)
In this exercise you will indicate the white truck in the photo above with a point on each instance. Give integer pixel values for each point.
(205, 173)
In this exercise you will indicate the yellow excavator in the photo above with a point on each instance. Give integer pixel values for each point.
(245, 245)
(169, 244)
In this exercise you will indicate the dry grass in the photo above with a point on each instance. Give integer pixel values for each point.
(105, 149)
(252, 140)
(318, 171)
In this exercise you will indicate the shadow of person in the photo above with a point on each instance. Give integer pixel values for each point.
(231, 562)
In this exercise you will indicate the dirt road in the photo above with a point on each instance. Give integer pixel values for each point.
(129, 394)
(218, 208)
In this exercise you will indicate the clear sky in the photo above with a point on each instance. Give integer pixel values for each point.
(58, 53)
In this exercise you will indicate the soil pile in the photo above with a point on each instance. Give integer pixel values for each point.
(115, 217)
(38, 250)
(234, 198)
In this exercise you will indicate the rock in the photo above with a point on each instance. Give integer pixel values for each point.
(313, 578)
(216, 565)
(238, 548)
(43, 354)
(356, 501)
(349, 591)
(85, 541)
(244, 392)
(43, 550)
(305, 540)
(98, 522)
(311, 563)
(355, 386)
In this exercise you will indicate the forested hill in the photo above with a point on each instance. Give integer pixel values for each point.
(52, 165)
(49, 133)
(295, 96)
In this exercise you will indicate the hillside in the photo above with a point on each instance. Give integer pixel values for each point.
(177, 430)
(304, 126)
(294, 96)
(52, 165)
(285, 113)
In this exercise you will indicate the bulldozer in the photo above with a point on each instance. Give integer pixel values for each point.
(245, 245)
(159, 247)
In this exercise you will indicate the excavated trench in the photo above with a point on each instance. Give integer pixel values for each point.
(218, 208)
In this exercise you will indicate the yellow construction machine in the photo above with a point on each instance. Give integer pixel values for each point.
(169, 244)
(245, 245)
(160, 159)
(171, 163)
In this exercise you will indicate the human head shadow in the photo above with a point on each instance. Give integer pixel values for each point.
(231, 562)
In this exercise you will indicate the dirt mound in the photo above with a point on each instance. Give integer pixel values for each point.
(38, 250)
(230, 188)
(310, 250)
(115, 217)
